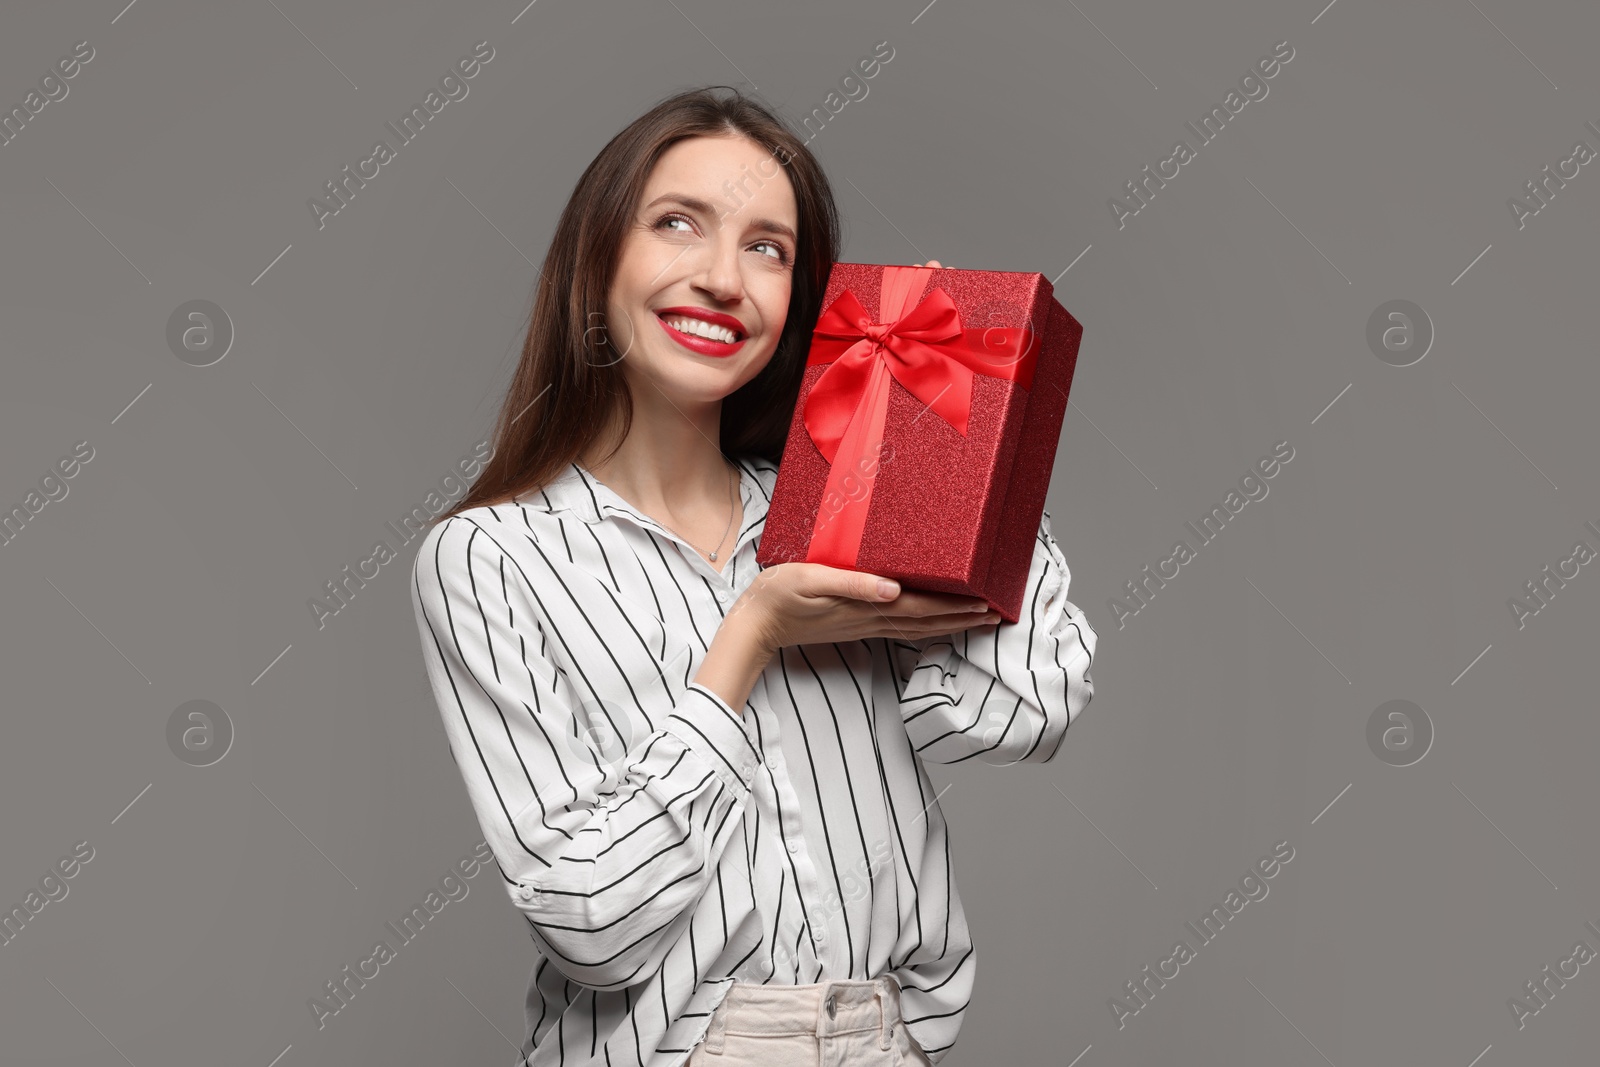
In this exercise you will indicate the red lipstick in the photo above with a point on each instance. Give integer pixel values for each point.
(703, 345)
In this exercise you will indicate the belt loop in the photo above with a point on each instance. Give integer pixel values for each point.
(717, 1031)
(891, 1015)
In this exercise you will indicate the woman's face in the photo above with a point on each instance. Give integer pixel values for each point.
(702, 289)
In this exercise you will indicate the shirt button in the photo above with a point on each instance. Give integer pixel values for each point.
(794, 846)
(772, 763)
(531, 893)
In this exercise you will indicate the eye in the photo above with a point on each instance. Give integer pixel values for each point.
(780, 253)
(663, 220)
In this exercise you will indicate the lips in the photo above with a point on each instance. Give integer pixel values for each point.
(705, 346)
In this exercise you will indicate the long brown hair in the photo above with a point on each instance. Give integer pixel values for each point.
(561, 397)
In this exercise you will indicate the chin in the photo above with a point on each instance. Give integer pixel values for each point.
(685, 382)
(693, 374)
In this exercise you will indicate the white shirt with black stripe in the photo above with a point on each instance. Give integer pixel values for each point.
(661, 846)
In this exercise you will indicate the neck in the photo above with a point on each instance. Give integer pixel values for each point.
(670, 464)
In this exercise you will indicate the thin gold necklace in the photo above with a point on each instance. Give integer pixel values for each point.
(733, 504)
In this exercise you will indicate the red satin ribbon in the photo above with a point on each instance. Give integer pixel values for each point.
(923, 347)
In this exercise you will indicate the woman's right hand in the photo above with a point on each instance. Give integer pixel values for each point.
(810, 603)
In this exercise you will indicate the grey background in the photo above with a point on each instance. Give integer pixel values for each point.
(1229, 314)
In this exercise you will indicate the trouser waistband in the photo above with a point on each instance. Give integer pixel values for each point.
(822, 1009)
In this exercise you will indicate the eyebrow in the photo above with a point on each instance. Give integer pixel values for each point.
(696, 204)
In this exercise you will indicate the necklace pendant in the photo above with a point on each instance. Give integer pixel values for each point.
(713, 557)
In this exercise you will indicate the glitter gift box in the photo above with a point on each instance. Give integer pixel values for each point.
(925, 429)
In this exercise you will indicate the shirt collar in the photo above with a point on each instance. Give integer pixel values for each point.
(577, 490)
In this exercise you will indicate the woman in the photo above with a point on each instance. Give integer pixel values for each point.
(702, 780)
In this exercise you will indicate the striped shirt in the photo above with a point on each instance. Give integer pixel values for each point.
(661, 846)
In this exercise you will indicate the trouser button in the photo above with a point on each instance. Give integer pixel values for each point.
(830, 1006)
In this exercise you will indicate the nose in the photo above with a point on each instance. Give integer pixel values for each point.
(720, 276)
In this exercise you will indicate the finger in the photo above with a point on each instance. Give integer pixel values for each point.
(822, 580)
(921, 602)
(957, 619)
(912, 628)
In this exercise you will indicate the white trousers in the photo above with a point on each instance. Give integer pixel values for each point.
(829, 1024)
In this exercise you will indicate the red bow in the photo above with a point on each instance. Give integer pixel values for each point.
(923, 347)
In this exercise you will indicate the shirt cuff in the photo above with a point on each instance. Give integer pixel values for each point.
(711, 729)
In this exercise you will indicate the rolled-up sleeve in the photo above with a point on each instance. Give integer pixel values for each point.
(1003, 693)
(605, 859)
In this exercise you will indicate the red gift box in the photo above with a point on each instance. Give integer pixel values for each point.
(925, 429)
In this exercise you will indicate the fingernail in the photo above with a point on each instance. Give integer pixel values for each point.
(887, 589)
(982, 605)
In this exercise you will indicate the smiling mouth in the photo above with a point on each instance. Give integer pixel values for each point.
(699, 328)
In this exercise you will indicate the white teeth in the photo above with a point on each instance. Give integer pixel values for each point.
(701, 328)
